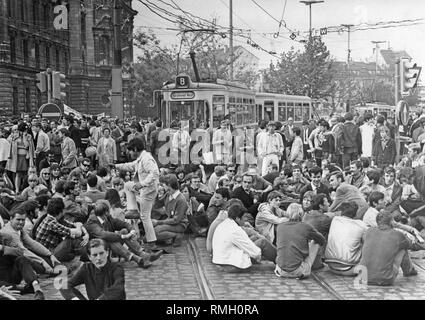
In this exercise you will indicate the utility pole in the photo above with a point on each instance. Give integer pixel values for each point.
(309, 3)
(117, 109)
(348, 26)
(231, 38)
(376, 43)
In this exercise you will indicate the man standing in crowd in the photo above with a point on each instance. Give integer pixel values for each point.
(349, 140)
(270, 148)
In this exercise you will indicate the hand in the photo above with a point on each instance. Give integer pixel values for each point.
(7, 293)
(10, 251)
(85, 240)
(54, 260)
(201, 167)
(137, 186)
(201, 206)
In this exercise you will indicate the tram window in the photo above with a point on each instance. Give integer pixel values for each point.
(218, 110)
(281, 111)
(259, 112)
(232, 99)
(298, 112)
(290, 110)
(268, 110)
(306, 111)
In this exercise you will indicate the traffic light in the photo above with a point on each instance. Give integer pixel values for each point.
(42, 81)
(59, 85)
(409, 75)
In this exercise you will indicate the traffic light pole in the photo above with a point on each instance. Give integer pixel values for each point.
(117, 109)
(49, 86)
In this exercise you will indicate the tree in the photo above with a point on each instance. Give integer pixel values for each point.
(303, 73)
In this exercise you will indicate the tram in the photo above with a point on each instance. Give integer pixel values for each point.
(376, 109)
(207, 102)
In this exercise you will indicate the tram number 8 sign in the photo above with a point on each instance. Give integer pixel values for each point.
(182, 81)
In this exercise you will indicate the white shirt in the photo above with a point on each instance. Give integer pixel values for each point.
(367, 131)
(270, 143)
(4, 149)
(369, 217)
(232, 246)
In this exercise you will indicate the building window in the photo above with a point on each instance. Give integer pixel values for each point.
(22, 9)
(35, 5)
(25, 51)
(12, 49)
(9, 8)
(15, 100)
(47, 56)
(104, 51)
(28, 99)
(57, 59)
(46, 15)
(37, 55)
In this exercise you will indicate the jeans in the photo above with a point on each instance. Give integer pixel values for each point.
(68, 249)
(304, 270)
(14, 269)
(145, 201)
(134, 247)
(168, 231)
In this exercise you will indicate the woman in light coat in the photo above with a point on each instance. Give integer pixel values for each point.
(68, 149)
(106, 149)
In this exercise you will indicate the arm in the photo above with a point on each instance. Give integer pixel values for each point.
(114, 151)
(117, 290)
(129, 166)
(180, 213)
(271, 218)
(241, 240)
(35, 246)
(76, 280)
(151, 167)
(96, 231)
(316, 236)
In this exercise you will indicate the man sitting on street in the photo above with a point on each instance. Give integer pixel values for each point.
(103, 279)
(92, 192)
(217, 202)
(297, 245)
(116, 233)
(344, 247)
(384, 251)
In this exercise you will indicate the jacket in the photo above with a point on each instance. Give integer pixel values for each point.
(176, 208)
(105, 231)
(345, 241)
(350, 137)
(384, 156)
(69, 153)
(266, 220)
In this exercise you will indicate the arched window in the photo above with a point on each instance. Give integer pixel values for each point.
(104, 50)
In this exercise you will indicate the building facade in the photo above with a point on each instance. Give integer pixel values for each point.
(84, 53)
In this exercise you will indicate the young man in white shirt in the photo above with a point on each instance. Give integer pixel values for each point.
(233, 249)
(377, 203)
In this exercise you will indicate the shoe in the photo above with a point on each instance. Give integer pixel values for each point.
(150, 247)
(39, 295)
(302, 277)
(156, 255)
(27, 289)
(412, 272)
(144, 263)
(177, 242)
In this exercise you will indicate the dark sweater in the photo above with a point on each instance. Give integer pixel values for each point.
(380, 247)
(106, 283)
(292, 240)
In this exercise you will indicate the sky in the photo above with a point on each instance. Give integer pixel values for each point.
(247, 15)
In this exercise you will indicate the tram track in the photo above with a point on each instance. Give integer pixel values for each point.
(326, 286)
(199, 271)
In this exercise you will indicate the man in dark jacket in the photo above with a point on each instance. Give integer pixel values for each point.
(350, 140)
(315, 184)
(103, 279)
(116, 233)
(74, 133)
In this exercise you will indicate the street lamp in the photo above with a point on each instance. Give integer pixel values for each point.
(309, 3)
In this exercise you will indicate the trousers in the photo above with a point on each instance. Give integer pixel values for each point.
(145, 202)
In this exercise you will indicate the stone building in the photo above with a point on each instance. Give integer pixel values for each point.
(84, 53)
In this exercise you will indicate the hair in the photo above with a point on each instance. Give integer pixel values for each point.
(59, 187)
(365, 162)
(54, 166)
(384, 128)
(42, 200)
(374, 197)
(246, 174)
(69, 186)
(158, 123)
(318, 200)
(273, 195)
(315, 170)
(92, 180)
(136, 145)
(349, 209)
(338, 175)
(368, 116)
(325, 124)
(179, 170)
(294, 212)
(348, 116)
(380, 119)
(389, 169)
(19, 210)
(374, 176)
(172, 182)
(358, 163)
(297, 131)
(55, 206)
(113, 198)
(384, 218)
(224, 192)
(102, 172)
(96, 243)
(184, 186)
(65, 171)
(106, 128)
(236, 211)
(65, 132)
(101, 208)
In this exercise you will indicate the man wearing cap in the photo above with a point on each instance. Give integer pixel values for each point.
(270, 148)
(222, 143)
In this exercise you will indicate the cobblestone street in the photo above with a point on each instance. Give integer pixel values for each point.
(175, 277)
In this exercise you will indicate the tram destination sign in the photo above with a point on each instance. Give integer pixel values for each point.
(183, 95)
